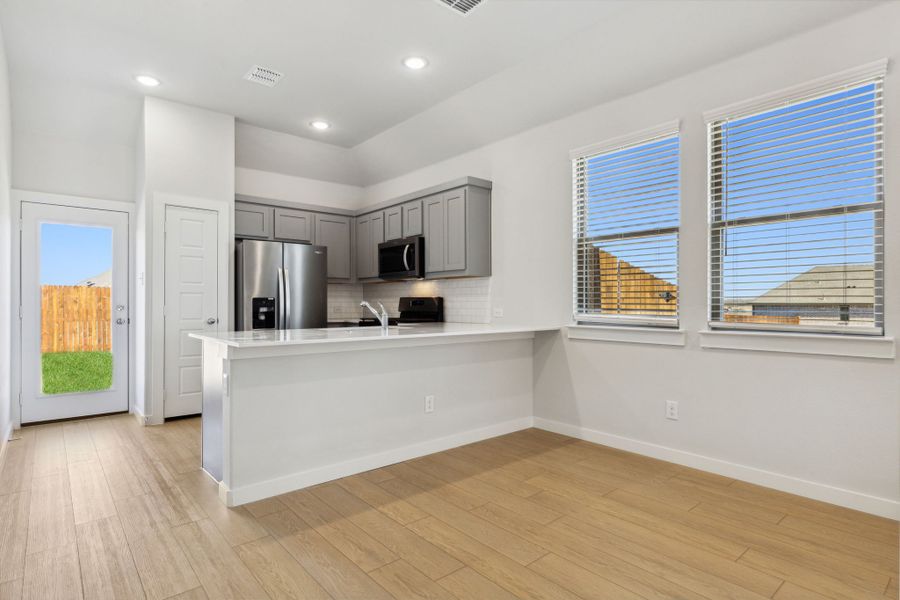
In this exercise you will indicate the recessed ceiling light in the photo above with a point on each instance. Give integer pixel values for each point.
(320, 125)
(147, 80)
(415, 63)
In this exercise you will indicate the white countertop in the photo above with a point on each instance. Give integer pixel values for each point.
(267, 338)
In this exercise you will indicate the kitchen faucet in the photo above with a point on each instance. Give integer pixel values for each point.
(382, 318)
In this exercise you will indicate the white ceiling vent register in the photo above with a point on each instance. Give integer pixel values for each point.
(462, 6)
(263, 76)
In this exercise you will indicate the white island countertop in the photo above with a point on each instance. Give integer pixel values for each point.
(266, 342)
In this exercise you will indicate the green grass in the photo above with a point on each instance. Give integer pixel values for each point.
(66, 372)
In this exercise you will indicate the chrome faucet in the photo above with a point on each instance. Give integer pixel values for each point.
(382, 318)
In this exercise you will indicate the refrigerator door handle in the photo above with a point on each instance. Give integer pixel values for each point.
(280, 316)
(287, 298)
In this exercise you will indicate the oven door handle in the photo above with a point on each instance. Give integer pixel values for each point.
(405, 251)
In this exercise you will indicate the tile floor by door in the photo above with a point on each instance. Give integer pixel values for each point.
(104, 508)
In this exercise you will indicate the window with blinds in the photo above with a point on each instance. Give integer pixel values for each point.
(796, 213)
(626, 217)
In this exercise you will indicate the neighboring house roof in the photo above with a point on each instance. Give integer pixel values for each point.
(826, 284)
(102, 280)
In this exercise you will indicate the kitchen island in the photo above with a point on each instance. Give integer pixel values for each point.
(286, 409)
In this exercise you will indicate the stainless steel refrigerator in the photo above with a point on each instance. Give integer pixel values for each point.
(280, 285)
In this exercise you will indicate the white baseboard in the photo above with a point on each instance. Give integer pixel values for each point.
(883, 507)
(142, 419)
(296, 481)
(4, 442)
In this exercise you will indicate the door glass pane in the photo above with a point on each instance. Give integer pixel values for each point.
(76, 293)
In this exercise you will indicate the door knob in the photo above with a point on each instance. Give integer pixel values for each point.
(212, 321)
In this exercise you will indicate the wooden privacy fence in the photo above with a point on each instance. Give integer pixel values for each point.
(629, 290)
(769, 319)
(75, 318)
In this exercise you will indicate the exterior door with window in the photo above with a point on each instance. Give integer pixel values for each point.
(191, 305)
(74, 312)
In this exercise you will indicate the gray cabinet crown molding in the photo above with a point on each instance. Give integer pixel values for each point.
(318, 208)
(475, 182)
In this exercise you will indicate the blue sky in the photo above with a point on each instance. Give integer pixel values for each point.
(72, 253)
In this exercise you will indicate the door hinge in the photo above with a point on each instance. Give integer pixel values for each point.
(20, 312)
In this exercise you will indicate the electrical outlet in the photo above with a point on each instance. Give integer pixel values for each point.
(429, 404)
(498, 311)
(672, 409)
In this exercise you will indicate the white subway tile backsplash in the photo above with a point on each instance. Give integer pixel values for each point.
(465, 300)
(343, 301)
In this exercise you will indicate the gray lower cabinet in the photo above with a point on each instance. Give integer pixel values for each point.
(393, 223)
(457, 229)
(253, 221)
(333, 232)
(369, 233)
(293, 225)
(412, 218)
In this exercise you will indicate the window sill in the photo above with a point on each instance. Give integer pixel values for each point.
(660, 336)
(800, 343)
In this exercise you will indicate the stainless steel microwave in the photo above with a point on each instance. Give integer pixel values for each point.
(402, 259)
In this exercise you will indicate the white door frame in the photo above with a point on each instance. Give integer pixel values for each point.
(18, 197)
(156, 268)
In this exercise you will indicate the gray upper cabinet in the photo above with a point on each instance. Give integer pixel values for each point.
(433, 207)
(363, 247)
(369, 233)
(293, 225)
(333, 232)
(455, 220)
(393, 223)
(458, 233)
(412, 218)
(377, 238)
(253, 221)
(455, 230)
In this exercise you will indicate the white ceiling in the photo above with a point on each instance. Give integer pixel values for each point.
(341, 58)
(509, 65)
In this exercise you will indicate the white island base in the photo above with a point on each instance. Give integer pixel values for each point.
(283, 410)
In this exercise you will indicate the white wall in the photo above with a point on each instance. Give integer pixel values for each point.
(46, 163)
(267, 150)
(5, 251)
(186, 152)
(827, 420)
(68, 139)
(290, 188)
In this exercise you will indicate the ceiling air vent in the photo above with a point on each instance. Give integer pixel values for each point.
(463, 7)
(263, 76)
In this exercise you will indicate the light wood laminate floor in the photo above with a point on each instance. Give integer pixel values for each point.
(104, 508)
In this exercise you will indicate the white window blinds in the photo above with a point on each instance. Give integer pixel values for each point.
(626, 217)
(796, 213)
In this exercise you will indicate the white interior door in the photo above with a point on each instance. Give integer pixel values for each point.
(191, 304)
(74, 299)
